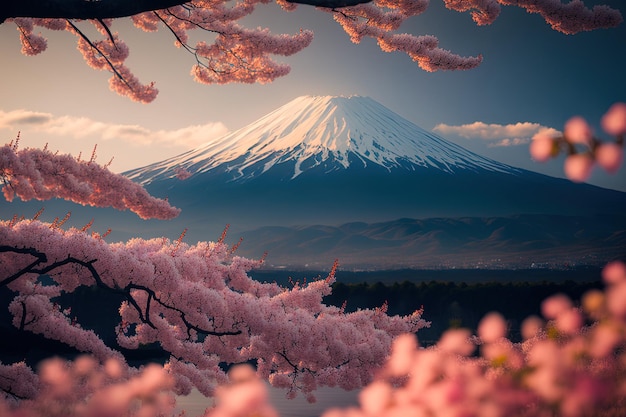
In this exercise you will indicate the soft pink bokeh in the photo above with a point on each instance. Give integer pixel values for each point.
(609, 156)
(577, 130)
(542, 147)
(578, 167)
(614, 121)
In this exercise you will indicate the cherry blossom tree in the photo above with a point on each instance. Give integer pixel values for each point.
(195, 301)
(571, 363)
(232, 53)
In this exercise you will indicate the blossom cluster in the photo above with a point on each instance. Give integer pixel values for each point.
(32, 173)
(198, 304)
(583, 149)
(238, 54)
(571, 363)
(87, 388)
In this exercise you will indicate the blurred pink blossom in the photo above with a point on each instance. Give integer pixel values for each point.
(492, 327)
(531, 327)
(609, 156)
(542, 147)
(570, 321)
(614, 272)
(577, 130)
(578, 167)
(555, 305)
(456, 341)
(614, 121)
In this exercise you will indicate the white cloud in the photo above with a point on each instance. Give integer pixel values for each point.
(496, 135)
(130, 146)
(82, 127)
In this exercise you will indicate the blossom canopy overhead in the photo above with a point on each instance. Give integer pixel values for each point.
(232, 53)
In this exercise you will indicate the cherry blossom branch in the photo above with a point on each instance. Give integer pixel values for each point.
(244, 56)
(174, 293)
(583, 149)
(144, 314)
(40, 174)
(100, 52)
(40, 258)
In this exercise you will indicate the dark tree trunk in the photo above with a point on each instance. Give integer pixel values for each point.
(106, 9)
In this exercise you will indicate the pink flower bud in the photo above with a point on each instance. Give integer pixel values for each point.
(609, 156)
(456, 341)
(577, 130)
(492, 327)
(555, 305)
(542, 147)
(578, 167)
(614, 272)
(570, 321)
(614, 121)
(531, 327)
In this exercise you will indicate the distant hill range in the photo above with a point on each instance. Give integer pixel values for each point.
(344, 177)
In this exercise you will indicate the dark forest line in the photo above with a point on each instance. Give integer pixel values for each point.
(450, 304)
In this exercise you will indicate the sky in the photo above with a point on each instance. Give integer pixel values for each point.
(531, 78)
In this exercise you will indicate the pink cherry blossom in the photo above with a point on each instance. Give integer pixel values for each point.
(579, 372)
(614, 272)
(578, 167)
(531, 327)
(577, 130)
(492, 327)
(614, 121)
(177, 292)
(40, 174)
(609, 156)
(569, 321)
(542, 147)
(234, 53)
(558, 304)
(615, 299)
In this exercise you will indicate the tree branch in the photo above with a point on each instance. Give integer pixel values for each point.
(143, 316)
(41, 258)
(94, 47)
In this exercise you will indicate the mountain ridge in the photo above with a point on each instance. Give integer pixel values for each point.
(515, 242)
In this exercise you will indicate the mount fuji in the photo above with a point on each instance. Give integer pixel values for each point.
(328, 160)
(344, 177)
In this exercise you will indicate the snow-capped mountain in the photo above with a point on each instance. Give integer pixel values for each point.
(333, 160)
(322, 133)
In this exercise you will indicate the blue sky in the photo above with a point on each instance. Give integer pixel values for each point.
(531, 77)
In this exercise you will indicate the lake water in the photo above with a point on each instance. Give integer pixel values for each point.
(195, 403)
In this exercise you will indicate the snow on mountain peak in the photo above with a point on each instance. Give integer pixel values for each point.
(328, 131)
